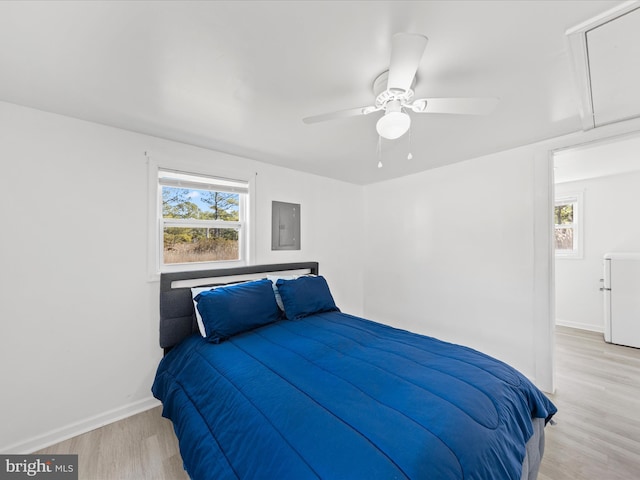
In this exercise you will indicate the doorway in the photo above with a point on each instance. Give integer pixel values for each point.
(597, 195)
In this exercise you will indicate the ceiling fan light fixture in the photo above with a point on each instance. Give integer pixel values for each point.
(394, 123)
(394, 93)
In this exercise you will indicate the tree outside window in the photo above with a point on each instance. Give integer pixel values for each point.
(566, 216)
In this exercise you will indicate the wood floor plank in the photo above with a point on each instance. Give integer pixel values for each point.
(596, 437)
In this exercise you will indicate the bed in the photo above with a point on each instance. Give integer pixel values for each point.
(283, 385)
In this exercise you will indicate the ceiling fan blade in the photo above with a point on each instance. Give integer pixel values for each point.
(406, 52)
(352, 112)
(462, 106)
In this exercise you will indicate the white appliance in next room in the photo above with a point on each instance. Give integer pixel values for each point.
(621, 290)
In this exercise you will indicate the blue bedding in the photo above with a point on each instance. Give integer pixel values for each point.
(335, 396)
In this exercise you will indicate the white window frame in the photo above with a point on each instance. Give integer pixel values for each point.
(157, 223)
(577, 199)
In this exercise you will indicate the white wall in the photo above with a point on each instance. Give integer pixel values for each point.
(79, 318)
(610, 214)
(457, 260)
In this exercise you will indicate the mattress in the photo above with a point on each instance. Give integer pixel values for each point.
(335, 396)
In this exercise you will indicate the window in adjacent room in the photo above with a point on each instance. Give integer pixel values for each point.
(567, 216)
(202, 220)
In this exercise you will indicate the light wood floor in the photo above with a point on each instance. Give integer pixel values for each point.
(597, 435)
(141, 447)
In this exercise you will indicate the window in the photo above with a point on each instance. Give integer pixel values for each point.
(201, 220)
(567, 216)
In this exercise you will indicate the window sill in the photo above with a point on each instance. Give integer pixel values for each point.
(569, 256)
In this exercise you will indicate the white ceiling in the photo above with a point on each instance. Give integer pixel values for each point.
(614, 156)
(239, 76)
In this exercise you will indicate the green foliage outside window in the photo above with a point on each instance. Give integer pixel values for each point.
(200, 244)
(564, 214)
(564, 231)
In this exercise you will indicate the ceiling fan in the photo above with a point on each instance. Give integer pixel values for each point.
(393, 90)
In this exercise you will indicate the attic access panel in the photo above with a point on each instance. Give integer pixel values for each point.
(605, 52)
(614, 64)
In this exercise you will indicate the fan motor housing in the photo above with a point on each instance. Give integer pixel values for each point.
(383, 95)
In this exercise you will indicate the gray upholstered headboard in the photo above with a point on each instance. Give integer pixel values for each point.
(177, 320)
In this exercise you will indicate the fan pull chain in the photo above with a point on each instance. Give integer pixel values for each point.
(379, 151)
(410, 156)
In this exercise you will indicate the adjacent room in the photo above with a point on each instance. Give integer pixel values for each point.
(601, 181)
(455, 171)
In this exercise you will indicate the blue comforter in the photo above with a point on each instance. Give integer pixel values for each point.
(334, 396)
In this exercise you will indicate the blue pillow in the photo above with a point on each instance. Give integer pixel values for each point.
(227, 311)
(305, 296)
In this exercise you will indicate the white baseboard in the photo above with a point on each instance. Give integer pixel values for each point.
(78, 428)
(581, 326)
